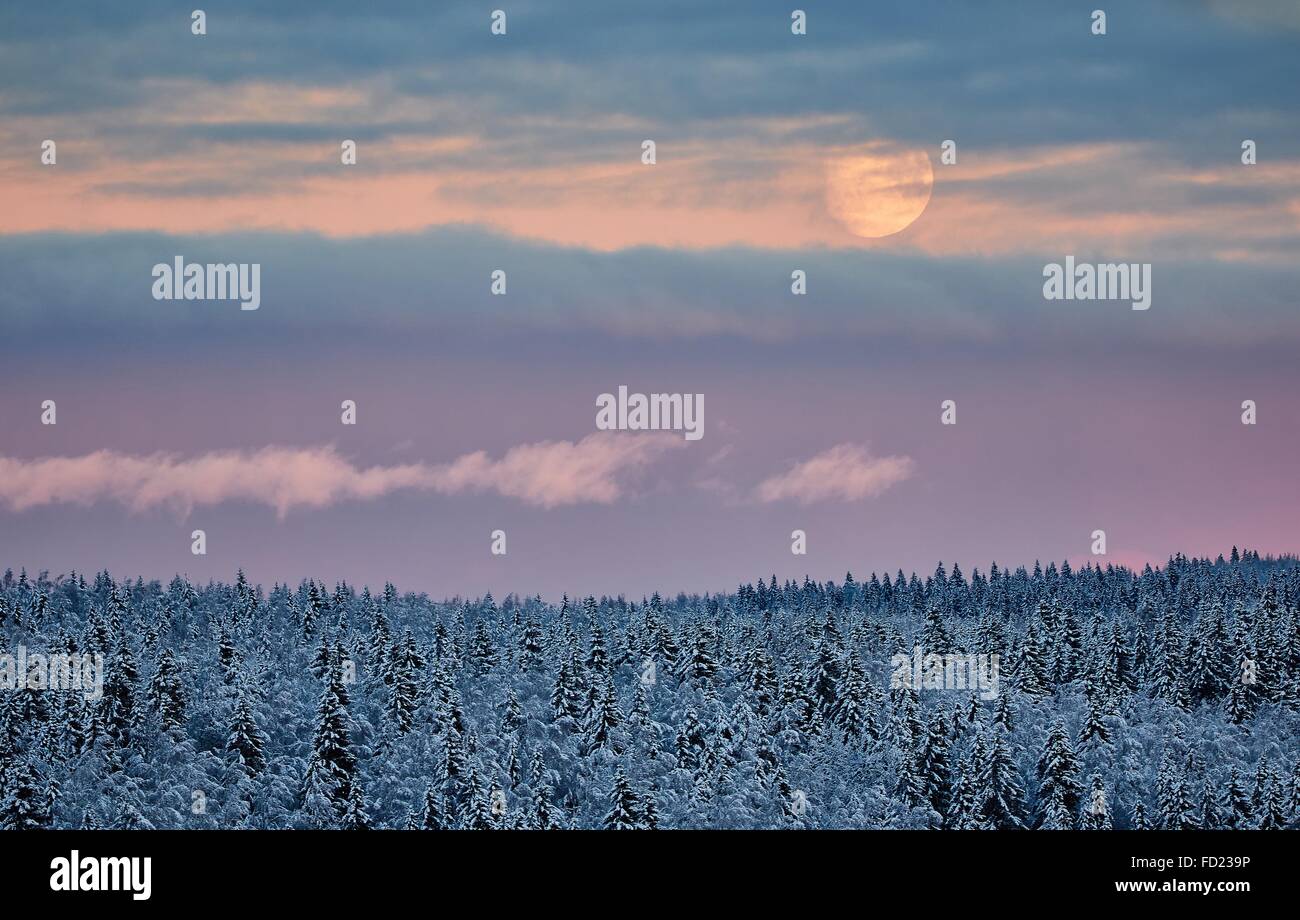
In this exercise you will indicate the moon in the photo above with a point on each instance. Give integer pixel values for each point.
(880, 190)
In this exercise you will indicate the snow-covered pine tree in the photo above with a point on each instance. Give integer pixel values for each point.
(998, 790)
(166, 693)
(1094, 734)
(1140, 821)
(624, 812)
(28, 799)
(1172, 799)
(933, 767)
(1058, 774)
(1096, 806)
(328, 788)
(1209, 818)
(431, 816)
(1031, 666)
(1235, 803)
(245, 742)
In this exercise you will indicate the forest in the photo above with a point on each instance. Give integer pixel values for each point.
(1164, 698)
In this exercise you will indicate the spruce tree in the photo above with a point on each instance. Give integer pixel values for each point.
(1058, 777)
(699, 666)
(512, 713)
(1117, 665)
(935, 638)
(690, 743)
(1031, 667)
(1003, 717)
(1209, 818)
(1267, 801)
(28, 801)
(998, 791)
(963, 810)
(354, 817)
(1243, 693)
(1094, 733)
(245, 741)
(762, 681)
(1096, 808)
(1210, 672)
(1172, 800)
(1066, 647)
(483, 653)
(650, 808)
(1056, 816)
(328, 787)
(623, 813)
(476, 812)
(933, 766)
(118, 702)
(533, 652)
(432, 815)
(605, 716)
(403, 693)
(544, 815)
(852, 708)
(166, 693)
(1140, 821)
(1235, 806)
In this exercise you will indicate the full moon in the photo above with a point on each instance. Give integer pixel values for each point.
(880, 190)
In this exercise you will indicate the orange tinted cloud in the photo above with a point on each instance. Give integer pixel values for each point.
(546, 474)
(846, 472)
(775, 192)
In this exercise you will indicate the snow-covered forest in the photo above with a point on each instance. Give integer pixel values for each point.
(1165, 698)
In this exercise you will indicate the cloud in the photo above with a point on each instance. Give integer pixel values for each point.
(241, 130)
(1259, 13)
(546, 474)
(67, 288)
(755, 188)
(686, 69)
(846, 472)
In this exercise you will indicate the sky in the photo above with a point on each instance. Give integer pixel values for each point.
(523, 152)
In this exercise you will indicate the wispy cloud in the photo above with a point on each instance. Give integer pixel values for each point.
(647, 294)
(710, 193)
(545, 474)
(846, 472)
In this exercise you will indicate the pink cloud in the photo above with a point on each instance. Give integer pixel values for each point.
(701, 194)
(846, 472)
(546, 474)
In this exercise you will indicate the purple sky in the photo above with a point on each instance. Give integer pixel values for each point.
(1044, 452)
(477, 412)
